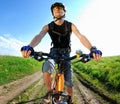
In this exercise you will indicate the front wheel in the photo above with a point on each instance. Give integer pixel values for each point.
(61, 102)
(69, 100)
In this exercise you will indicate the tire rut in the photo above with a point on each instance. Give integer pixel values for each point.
(11, 90)
(86, 96)
(101, 96)
(82, 95)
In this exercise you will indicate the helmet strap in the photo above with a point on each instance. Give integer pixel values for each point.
(56, 19)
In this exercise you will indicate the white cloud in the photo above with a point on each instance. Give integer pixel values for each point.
(100, 23)
(9, 45)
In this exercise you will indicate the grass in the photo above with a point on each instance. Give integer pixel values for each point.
(28, 94)
(104, 75)
(13, 68)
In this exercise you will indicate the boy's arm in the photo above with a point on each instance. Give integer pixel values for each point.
(37, 39)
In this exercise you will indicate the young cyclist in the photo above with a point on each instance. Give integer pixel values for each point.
(60, 32)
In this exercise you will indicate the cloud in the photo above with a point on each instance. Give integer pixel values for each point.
(10, 45)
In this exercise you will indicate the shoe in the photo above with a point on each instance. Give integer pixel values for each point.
(46, 98)
(71, 102)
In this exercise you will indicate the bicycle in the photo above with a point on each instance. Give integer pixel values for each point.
(58, 96)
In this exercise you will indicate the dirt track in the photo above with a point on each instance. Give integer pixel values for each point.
(9, 91)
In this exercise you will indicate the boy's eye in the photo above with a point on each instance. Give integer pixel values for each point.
(55, 8)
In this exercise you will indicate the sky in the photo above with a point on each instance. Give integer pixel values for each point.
(21, 20)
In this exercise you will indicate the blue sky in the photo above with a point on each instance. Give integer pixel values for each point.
(21, 20)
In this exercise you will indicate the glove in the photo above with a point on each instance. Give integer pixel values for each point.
(95, 50)
(27, 48)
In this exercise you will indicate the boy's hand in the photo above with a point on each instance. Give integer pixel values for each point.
(96, 54)
(26, 51)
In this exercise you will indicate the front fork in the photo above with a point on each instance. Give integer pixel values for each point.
(58, 86)
(59, 80)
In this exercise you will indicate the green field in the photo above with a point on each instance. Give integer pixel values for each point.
(13, 68)
(104, 75)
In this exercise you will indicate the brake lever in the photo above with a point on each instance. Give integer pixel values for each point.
(84, 58)
(37, 56)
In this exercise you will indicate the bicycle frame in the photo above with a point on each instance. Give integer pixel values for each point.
(59, 82)
(58, 94)
(58, 87)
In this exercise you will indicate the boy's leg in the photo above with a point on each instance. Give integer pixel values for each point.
(47, 69)
(70, 92)
(69, 79)
(47, 80)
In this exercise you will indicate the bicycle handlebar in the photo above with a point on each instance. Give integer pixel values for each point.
(40, 56)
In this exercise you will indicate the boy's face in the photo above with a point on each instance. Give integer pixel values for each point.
(58, 12)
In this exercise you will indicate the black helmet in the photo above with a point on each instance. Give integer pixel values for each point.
(57, 4)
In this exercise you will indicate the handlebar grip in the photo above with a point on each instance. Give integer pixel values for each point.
(79, 53)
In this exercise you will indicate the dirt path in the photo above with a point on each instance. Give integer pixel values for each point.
(11, 90)
(82, 95)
